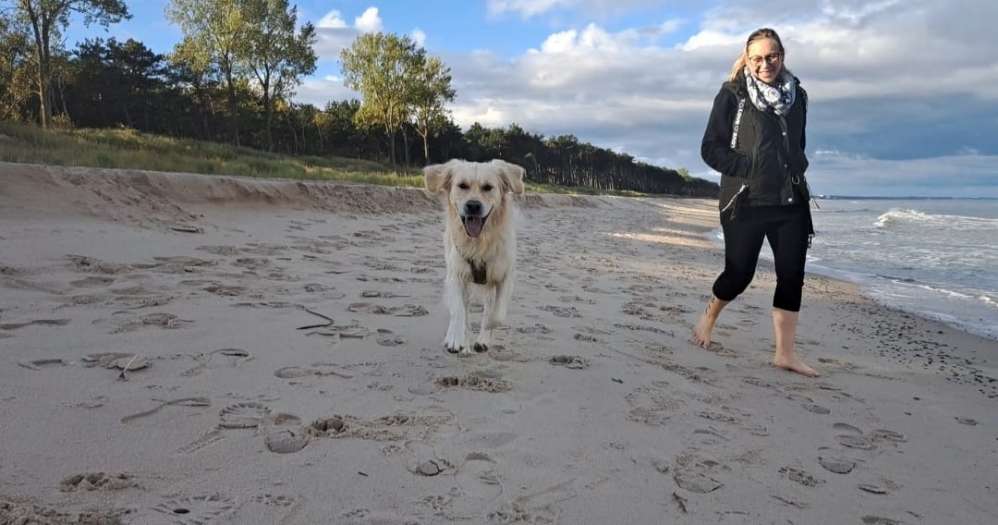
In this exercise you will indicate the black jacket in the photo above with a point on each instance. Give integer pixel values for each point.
(764, 164)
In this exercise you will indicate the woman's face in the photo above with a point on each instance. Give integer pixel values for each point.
(765, 60)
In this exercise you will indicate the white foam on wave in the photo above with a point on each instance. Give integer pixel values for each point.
(987, 300)
(912, 216)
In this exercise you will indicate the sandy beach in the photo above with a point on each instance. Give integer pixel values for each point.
(190, 349)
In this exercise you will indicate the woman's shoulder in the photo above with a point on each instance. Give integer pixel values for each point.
(731, 88)
(799, 84)
(735, 87)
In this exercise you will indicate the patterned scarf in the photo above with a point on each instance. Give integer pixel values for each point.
(779, 98)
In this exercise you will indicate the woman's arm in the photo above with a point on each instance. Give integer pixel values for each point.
(716, 146)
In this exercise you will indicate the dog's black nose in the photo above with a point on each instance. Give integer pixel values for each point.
(473, 208)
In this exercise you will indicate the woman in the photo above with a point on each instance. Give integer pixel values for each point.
(755, 139)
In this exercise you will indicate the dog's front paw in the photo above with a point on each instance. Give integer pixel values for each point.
(454, 344)
(480, 347)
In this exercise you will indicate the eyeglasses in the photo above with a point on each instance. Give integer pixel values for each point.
(770, 59)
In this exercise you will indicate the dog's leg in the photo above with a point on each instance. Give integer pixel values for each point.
(485, 332)
(504, 292)
(457, 301)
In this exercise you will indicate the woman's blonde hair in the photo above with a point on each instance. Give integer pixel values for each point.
(758, 34)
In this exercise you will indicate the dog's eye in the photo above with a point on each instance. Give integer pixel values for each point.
(463, 186)
(487, 187)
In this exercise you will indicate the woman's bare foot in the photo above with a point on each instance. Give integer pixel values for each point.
(794, 364)
(701, 332)
(705, 325)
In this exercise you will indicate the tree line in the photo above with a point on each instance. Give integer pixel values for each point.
(233, 76)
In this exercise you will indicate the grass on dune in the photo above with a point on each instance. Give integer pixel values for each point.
(131, 149)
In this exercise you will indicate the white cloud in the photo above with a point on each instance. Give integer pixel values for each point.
(532, 8)
(334, 35)
(369, 22)
(418, 36)
(526, 8)
(332, 20)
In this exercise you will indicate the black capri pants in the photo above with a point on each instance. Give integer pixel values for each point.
(787, 229)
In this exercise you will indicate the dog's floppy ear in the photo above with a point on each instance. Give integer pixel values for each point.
(437, 177)
(511, 174)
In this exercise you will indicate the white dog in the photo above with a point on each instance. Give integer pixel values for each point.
(479, 242)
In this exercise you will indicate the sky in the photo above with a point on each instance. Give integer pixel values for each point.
(903, 94)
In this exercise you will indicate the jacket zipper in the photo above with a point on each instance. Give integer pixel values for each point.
(733, 197)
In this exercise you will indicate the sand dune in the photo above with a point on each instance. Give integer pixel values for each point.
(180, 348)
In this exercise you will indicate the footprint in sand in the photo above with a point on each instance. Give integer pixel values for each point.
(92, 281)
(388, 338)
(137, 302)
(837, 465)
(473, 382)
(204, 441)
(586, 338)
(881, 435)
(801, 477)
(369, 517)
(561, 311)
(163, 320)
(966, 421)
(319, 370)
(271, 500)
(873, 489)
(234, 356)
(38, 364)
(286, 440)
(372, 294)
(243, 415)
(179, 264)
(536, 328)
(857, 442)
(475, 484)
(34, 322)
(185, 402)
(877, 520)
(425, 461)
(644, 328)
(220, 250)
(570, 361)
(82, 263)
(407, 310)
(386, 428)
(116, 360)
(23, 512)
(252, 263)
(194, 510)
(857, 439)
(694, 472)
(91, 481)
(846, 427)
(717, 416)
(816, 409)
(225, 290)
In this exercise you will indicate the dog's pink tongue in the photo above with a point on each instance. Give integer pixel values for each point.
(473, 225)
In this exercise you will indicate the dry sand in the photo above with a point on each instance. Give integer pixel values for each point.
(282, 343)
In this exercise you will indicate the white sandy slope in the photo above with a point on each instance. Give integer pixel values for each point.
(593, 409)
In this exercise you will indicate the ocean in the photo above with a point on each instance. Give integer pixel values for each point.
(937, 258)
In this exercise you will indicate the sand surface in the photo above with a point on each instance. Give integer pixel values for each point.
(190, 349)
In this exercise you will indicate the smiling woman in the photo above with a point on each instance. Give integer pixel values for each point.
(755, 138)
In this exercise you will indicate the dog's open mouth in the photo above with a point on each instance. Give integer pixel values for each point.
(473, 225)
